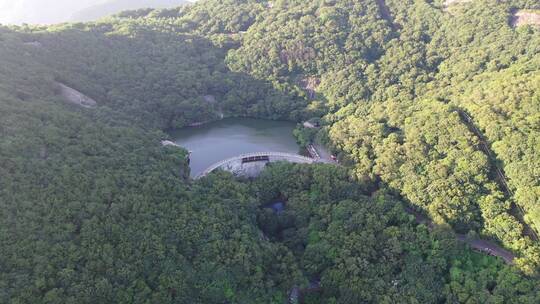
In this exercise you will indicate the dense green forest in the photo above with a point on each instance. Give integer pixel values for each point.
(430, 108)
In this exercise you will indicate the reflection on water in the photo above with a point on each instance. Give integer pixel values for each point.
(219, 140)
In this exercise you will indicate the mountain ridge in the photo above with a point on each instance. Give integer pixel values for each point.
(112, 7)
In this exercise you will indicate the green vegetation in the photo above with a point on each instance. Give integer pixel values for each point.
(111, 7)
(393, 97)
(364, 248)
(94, 209)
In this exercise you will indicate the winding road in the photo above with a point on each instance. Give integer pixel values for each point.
(480, 245)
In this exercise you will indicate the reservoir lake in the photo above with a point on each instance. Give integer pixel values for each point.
(215, 141)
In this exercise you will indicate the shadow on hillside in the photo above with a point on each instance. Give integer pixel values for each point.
(163, 79)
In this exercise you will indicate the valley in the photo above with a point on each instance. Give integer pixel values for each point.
(390, 149)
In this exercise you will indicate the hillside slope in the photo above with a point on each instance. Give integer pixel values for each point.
(112, 7)
(94, 209)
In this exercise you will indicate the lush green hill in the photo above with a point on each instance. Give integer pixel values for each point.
(112, 7)
(94, 209)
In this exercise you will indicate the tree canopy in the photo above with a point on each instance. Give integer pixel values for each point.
(430, 107)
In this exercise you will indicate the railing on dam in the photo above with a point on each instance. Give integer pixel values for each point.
(263, 156)
(255, 159)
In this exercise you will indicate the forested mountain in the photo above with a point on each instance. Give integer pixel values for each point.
(115, 6)
(40, 11)
(431, 106)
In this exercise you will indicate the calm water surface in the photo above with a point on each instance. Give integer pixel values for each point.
(230, 137)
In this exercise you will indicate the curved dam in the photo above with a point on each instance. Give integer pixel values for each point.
(251, 164)
(243, 146)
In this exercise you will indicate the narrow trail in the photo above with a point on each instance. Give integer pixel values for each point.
(500, 177)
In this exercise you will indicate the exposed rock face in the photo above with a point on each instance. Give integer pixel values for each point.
(526, 17)
(76, 97)
(310, 84)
